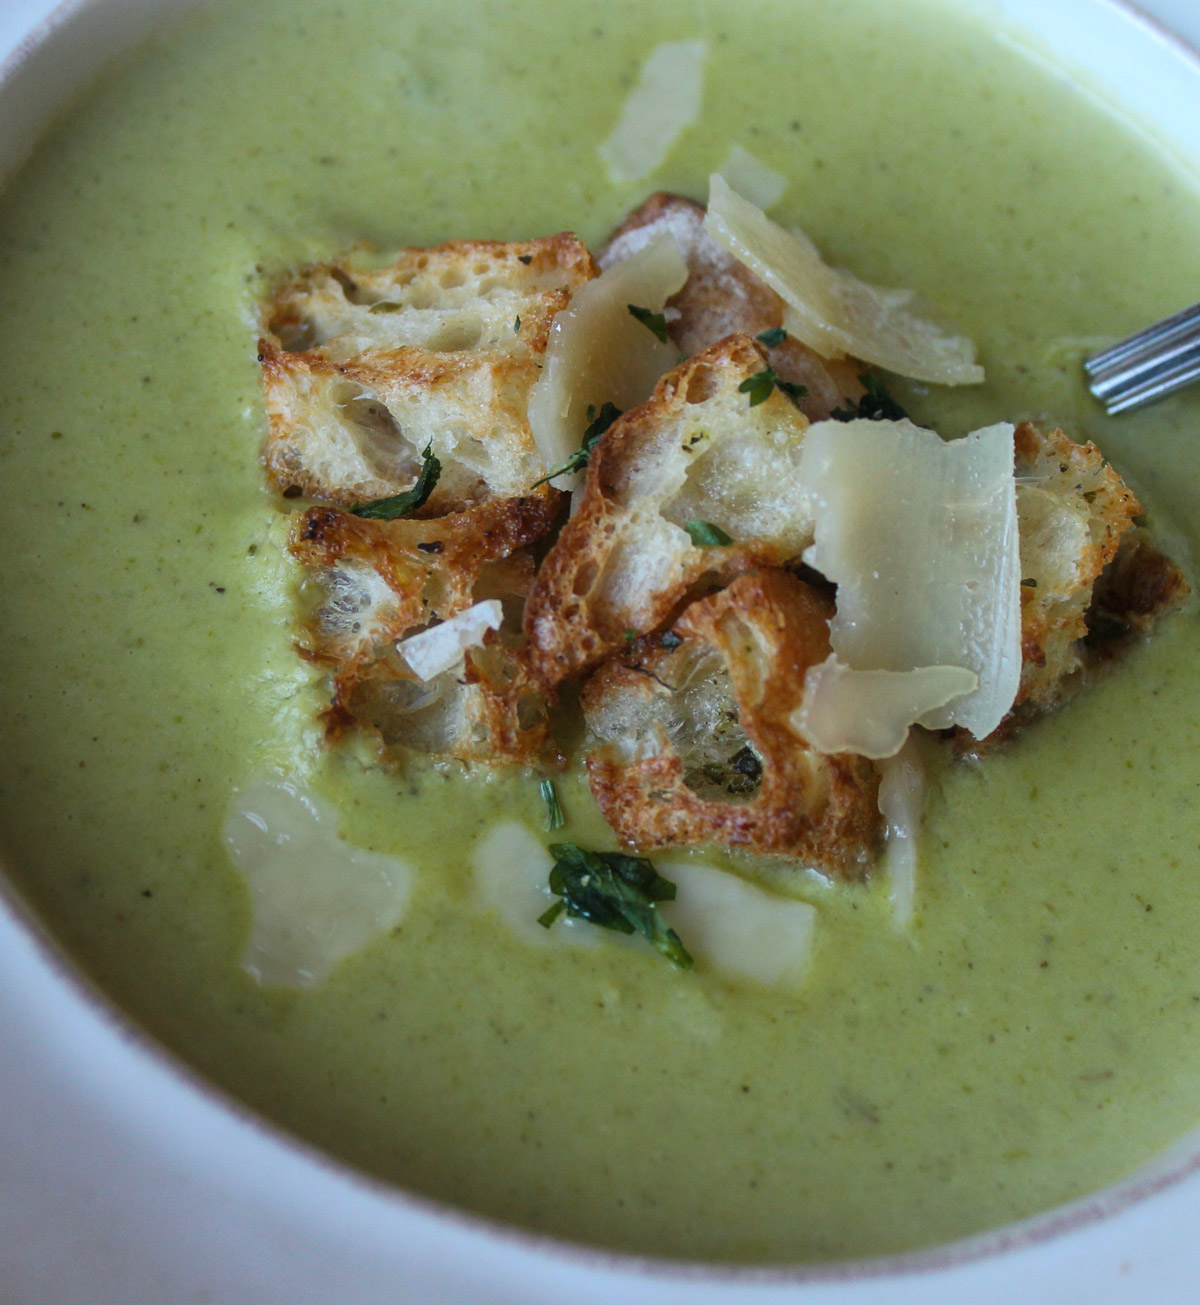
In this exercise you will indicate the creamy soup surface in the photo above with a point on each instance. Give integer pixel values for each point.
(1034, 1035)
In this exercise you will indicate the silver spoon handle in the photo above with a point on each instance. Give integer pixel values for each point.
(1147, 366)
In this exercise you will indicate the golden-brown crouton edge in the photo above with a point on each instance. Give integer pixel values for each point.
(619, 563)
(768, 627)
(723, 297)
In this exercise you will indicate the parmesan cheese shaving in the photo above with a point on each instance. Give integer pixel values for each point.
(663, 104)
(738, 930)
(512, 879)
(751, 177)
(730, 927)
(600, 353)
(869, 712)
(316, 899)
(831, 310)
(902, 785)
(443, 646)
(920, 536)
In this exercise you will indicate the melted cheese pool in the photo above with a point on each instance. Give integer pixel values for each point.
(1036, 1034)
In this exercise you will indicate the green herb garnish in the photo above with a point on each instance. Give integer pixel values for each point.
(554, 815)
(772, 338)
(598, 423)
(760, 385)
(656, 322)
(876, 405)
(669, 640)
(616, 892)
(517, 325)
(403, 505)
(705, 535)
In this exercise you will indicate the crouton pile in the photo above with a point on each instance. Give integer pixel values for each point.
(671, 592)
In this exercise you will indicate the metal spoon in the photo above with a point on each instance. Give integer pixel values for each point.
(1149, 365)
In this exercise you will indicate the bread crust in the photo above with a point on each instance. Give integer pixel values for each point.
(1072, 511)
(723, 297)
(485, 712)
(416, 570)
(371, 583)
(1092, 582)
(696, 450)
(653, 727)
(1132, 594)
(363, 369)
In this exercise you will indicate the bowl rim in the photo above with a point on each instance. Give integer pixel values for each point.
(18, 918)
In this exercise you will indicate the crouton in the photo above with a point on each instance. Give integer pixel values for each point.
(485, 711)
(698, 451)
(364, 369)
(1093, 584)
(1133, 592)
(371, 582)
(723, 297)
(691, 745)
(1072, 509)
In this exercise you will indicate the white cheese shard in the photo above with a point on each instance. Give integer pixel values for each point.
(749, 176)
(663, 104)
(316, 898)
(902, 791)
(731, 927)
(443, 646)
(830, 309)
(920, 536)
(512, 878)
(869, 712)
(737, 930)
(599, 352)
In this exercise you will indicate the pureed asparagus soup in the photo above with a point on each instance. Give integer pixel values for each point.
(1031, 1036)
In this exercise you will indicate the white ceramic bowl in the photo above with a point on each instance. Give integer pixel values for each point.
(123, 1179)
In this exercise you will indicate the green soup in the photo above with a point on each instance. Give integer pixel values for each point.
(1036, 1033)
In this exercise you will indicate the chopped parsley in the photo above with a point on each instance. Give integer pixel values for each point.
(761, 384)
(403, 505)
(517, 325)
(656, 322)
(747, 771)
(616, 892)
(598, 423)
(669, 640)
(705, 535)
(554, 815)
(876, 405)
(772, 338)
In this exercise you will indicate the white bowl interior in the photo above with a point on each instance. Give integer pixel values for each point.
(124, 1179)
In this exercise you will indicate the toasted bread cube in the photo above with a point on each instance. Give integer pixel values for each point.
(372, 583)
(690, 738)
(1132, 594)
(485, 712)
(364, 369)
(722, 297)
(696, 451)
(1072, 509)
(461, 296)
